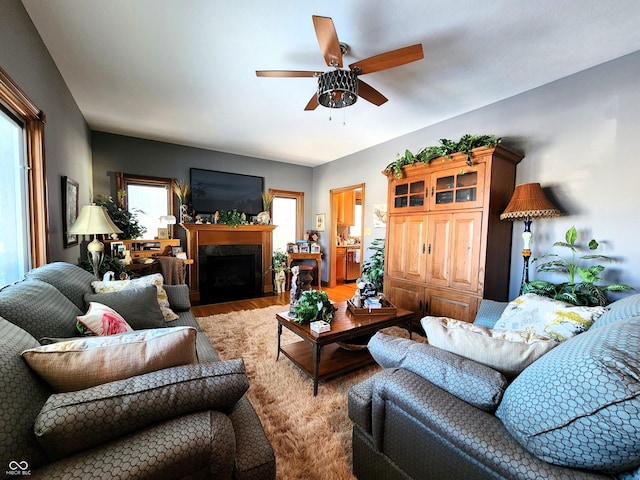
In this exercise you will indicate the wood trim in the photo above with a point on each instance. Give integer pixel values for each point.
(299, 196)
(13, 98)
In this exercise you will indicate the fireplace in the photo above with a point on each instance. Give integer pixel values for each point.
(229, 272)
(230, 239)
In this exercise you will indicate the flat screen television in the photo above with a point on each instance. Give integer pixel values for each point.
(213, 191)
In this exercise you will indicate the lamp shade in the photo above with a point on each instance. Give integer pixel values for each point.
(168, 220)
(93, 220)
(529, 201)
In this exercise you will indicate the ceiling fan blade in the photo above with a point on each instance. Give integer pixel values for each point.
(313, 103)
(370, 94)
(391, 59)
(286, 73)
(328, 41)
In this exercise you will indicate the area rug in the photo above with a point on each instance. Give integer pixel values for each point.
(311, 435)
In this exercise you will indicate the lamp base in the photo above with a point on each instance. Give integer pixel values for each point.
(96, 255)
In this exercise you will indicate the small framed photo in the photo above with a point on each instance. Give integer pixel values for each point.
(315, 248)
(175, 251)
(303, 247)
(320, 221)
(69, 210)
(163, 233)
(182, 255)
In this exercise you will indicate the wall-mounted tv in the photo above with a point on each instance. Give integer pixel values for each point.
(213, 191)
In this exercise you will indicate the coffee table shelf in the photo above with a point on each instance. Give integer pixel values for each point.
(335, 359)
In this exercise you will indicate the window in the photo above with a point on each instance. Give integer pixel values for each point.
(149, 198)
(287, 212)
(23, 203)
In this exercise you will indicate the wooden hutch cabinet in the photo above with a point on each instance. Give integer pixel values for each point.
(446, 246)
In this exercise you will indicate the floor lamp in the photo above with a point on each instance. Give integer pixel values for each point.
(528, 202)
(94, 220)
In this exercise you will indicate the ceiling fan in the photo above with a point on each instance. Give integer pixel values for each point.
(341, 87)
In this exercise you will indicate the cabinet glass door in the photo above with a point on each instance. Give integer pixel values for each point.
(461, 188)
(410, 196)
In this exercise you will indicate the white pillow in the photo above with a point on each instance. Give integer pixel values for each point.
(506, 351)
(103, 320)
(83, 363)
(154, 279)
(547, 317)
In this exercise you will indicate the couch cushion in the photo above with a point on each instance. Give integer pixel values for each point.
(624, 308)
(101, 320)
(547, 317)
(71, 280)
(154, 279)
(470, 381)
(21, 397)
(579, 405)
(39, 308)
(138, 306)
(74, 421)
(78, 364)
(508, 351)
(178, 296)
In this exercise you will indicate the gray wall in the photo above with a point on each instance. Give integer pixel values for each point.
(117, 153)
(67, 139)
(579, 136)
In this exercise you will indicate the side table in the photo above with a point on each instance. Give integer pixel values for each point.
(316, 257)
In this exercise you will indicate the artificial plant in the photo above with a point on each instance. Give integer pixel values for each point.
(314, 305)
(125, 220)
(574, 291)
(446, 149)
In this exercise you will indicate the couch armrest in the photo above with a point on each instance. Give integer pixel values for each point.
(197, 445)
(74, 421)
(489, 312)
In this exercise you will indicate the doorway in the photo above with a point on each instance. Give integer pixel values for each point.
(346, 234)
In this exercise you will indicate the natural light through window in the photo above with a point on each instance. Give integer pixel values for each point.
(152, 201)
(284, 212)
(14, 238)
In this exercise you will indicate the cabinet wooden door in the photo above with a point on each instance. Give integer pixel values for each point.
(341, 258)
(465, 250)
(409, 194)
(457, 188)
(451, 304)
(407, 247)
(439, 249)
(406, 295)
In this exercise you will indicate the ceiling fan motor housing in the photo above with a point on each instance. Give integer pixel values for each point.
(337, 88)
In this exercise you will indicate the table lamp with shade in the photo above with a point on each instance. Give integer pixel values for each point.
(528, 202)
(94, 220)
(168, 220)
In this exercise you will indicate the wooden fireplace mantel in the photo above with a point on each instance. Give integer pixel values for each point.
(200, 234)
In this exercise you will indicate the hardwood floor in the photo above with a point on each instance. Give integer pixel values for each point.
(338, 294)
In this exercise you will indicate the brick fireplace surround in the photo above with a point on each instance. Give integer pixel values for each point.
(208, 234)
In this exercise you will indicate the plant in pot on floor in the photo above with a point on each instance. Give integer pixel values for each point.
(279, 267)
(573, 291)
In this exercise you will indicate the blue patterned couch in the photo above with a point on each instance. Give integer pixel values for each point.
(187, 421)
(574, 413)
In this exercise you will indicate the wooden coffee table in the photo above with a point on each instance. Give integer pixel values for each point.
(344, 327)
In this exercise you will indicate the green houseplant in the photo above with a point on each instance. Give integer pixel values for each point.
(314, 305)
(574, 291)
(373, 268)
(125, 220)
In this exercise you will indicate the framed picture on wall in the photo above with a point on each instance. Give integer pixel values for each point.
(69, 210)
(320, 221)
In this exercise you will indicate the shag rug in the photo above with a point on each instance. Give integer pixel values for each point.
(311, 435)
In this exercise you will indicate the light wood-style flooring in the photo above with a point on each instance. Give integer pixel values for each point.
(338, 294)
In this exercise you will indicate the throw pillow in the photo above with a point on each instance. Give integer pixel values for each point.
(102, 320)
(79, 364)
(472, 382)
(626, 307)
(508, 351)
(155, 279)
(126, 406)
(547, 317)
(138, 306)
(578, 406)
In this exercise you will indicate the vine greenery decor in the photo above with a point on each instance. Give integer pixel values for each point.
(573, 291)
(446, 149)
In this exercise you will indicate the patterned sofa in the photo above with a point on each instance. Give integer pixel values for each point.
(187, 421)
(574, 413)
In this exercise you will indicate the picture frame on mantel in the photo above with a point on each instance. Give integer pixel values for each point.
(70, 190)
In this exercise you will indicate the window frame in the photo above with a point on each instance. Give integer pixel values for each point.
(299, 197)
(18, 103)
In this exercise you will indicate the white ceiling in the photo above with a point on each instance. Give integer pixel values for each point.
(183, 71)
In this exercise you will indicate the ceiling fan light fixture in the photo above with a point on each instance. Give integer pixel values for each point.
(337, 89)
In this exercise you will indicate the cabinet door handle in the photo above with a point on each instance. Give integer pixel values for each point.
(420, 306)
(423, 248)
(432, 191)
(429, 252)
